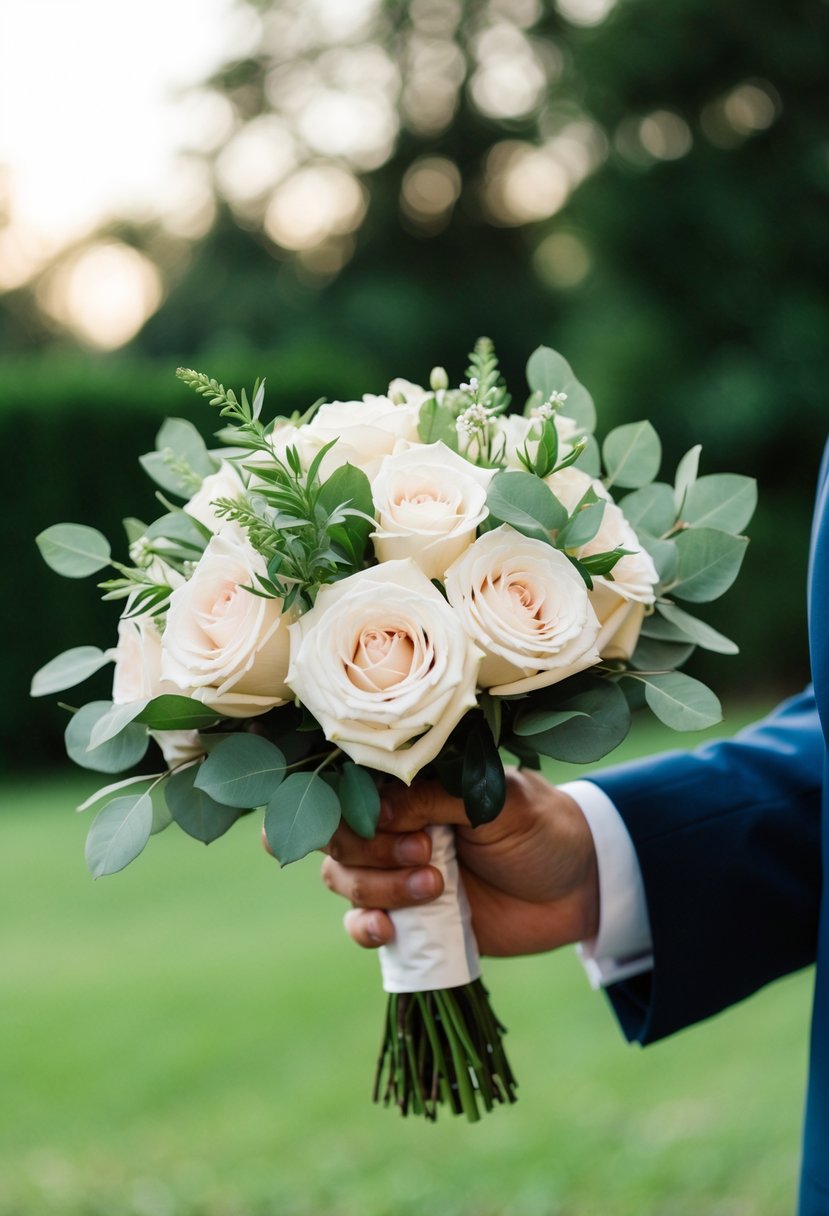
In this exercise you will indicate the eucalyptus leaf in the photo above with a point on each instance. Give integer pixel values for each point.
(134, 529)
(686, 475)
(182, 531)
(681, 702)
(709, 562)
(74, 550)
(723, 500)
(195, 812)
(602, 723)
(244, 771)
(302, 816)
(549, 372)
(483, 780)
(360, 800)
(632, 454)
(653, 654)
(650, 508)
(173, 712)
(112, 723)
(526, 503)
(582, 526)
(119, 753)
(698, 631)
(118, 834)
(106, 790)
(590, 460)
(68, 669)
(663, 552)
(536, 721)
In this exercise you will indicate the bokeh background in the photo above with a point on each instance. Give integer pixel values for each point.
(331, 193)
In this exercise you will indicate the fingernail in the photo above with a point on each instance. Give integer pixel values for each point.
(422, 884)
(373, 930)
(411, 850)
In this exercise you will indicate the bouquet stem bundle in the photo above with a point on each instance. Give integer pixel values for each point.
(443, 1048)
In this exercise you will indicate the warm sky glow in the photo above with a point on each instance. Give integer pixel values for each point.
(89, 124)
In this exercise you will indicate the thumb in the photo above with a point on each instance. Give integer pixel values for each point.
(410, 808)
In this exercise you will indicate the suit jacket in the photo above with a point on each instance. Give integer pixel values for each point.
(733, 840)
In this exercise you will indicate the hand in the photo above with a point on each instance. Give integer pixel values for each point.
(530, 876)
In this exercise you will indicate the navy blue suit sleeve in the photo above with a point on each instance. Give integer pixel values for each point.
(728, 839)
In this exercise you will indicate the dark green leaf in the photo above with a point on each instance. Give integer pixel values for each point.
(172, 712)
(654, 655)
(579, 740)
(244, 771)
(114, 756)
(74, 550)
(195, 812)
(360, 800)
(536, 721)
(68, 669)
(302, 816)
(119, 833)
(483, 780)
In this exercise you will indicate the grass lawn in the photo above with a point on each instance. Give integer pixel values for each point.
(196, 1037)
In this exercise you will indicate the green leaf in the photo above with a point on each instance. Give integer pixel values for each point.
(68, 669)
(244, 771)
(681, 702)
(664, 554)
(709, 562)
(483, 781)
(302, 816)
(632, 454)
(74, 550)
(195, 812)
(723, 500)
(106, 790)
(112, 723)
(437, 422)
(118, 834)
(117, 754)
(536, 721)
(181, 437)
(182, 531)
(650, 508)
(582, 526)
(698, 631)
(350, 485)
(173, 712)
(549, 372)
(652, 654)
(134, 528)
(360, 800)
(599, 721)
(686, 475)
(526, 503)
(590, 460)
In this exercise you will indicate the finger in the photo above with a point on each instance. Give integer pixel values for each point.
(370, 888)
(387, 850)
(369, 927)
(265, 844)
(410, 808)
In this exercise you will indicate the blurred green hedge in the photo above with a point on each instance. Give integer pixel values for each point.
(71, 430)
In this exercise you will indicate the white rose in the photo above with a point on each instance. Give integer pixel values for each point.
(137, 677)
(526, 606)
(365, 431)
(405, 391)
(226, 482)
(223, 645)
(513, 430)
(429, 502)
(619, 602)
(382, 663)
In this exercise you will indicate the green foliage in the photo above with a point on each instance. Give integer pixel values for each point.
(243, 771)
(114, 755)
(709, 562)
(74, 550)
(302, 816)
(680, 701)
(631, 454)
(725, 501)
(181, 459)
(589, 717)
(548, 372)
(483, 782)
(195, 812)
(359, 799)
(68, 669)
(119, 833)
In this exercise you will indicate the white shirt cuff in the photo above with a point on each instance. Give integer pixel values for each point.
(623, 946)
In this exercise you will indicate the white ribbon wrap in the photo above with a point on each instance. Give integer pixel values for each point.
(434, 946)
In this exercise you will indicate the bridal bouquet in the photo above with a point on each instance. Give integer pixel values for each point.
(418, 582)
